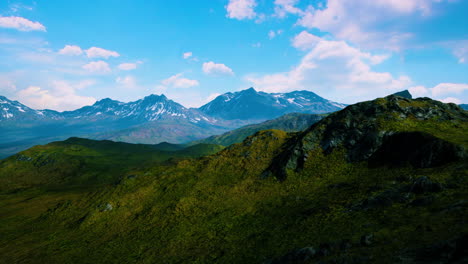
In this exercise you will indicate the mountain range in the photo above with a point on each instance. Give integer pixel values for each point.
(150, 120)
(381, 181)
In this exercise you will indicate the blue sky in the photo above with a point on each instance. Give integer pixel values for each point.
(65, 54)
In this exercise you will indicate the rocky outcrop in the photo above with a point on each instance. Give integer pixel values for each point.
(360, 130)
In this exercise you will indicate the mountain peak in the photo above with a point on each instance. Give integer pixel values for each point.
(250, 90)
(405, 94)
(152, 97)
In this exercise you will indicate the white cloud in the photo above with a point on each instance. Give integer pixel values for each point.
(127, 66)
(360, 24)
(216, 69)
(97, 67)
(441, 91)
(272, 34)
(62, 96)
(127, 81)
(336, 71)
(241, 9)
(177, 81)
(284, 7)
(187, 55)
(21, 24)
(419, 91)
(449, 88)
(305, 41)
(95, 52)
(451, 100)
(71, 50)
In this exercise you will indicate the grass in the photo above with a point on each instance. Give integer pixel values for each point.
(129, 204)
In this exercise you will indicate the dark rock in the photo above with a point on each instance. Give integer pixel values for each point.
(366, 240)
(383, 199)
(424, 185)
(355, 129)
(105, 207)
(405, 94)
(418, 149)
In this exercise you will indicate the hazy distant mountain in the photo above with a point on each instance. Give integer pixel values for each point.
(252, 105)
(150, 108)
(14, 110)
(464, 106)
(150, 120)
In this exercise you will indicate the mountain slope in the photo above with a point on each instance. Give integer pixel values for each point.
(174, 131)
(289, 123)
(11, 111)
(253, 105)
(337, 207)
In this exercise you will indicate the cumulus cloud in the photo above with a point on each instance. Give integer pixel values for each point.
(216, 69)
(61, 96)
(21, 24)
(418, 91)
(178, 81)
(95, 52)
(97, 67)
(451, 100)
(284, 7)
(127, 66)
(335, 70)
(241, 9)
(305, 41)
(71, 50)
(449, 88)
(444, 92)
(366, 29)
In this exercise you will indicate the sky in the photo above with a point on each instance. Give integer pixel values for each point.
(63, 55)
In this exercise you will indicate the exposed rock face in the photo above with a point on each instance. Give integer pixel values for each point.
(360, 130)
(405, 94)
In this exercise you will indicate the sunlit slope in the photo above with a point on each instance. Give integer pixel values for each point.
(323, 195)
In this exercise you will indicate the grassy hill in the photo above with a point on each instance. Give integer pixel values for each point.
(352, 188)
(290, 123)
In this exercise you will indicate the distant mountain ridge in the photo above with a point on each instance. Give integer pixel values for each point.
(150, 120)
(261, 106)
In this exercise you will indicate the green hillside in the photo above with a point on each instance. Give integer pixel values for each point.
(290, 123)
(383, 181)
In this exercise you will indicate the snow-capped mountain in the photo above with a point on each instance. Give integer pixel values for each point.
(150, 108)
(250, 104)
(14, 110)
